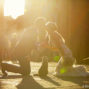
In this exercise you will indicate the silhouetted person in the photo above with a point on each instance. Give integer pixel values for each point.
(66, 64)
(42, 40)
(21, 50)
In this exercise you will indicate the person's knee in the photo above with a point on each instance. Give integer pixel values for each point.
(25, 72)
(25, 66)
(26, 69)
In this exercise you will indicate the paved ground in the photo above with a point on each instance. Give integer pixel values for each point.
(16, 81)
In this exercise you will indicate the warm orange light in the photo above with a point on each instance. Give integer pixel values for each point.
(14, 8)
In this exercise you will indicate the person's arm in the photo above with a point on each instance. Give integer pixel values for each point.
(60, 43)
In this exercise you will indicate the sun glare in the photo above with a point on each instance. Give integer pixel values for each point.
(14, 8)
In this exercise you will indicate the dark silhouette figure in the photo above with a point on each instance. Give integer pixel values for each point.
(43, 71)
(29, 83)
(23, 68)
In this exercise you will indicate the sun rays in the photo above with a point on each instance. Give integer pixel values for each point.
(14, 8)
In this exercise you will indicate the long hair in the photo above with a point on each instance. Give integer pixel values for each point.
(54, 27)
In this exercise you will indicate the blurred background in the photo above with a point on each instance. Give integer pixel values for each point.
(71, 16)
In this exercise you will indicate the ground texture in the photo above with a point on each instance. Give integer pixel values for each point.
(16, 81)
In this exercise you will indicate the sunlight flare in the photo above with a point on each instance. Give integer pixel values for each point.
(14, 8)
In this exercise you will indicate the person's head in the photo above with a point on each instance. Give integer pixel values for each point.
(39, 25)
(51, 26)
(40, 22)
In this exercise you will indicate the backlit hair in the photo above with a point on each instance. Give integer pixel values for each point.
(53, 24)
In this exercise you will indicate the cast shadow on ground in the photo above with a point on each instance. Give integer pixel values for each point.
(29, 83)
(11, 77)
(49, 79)
(76, 80)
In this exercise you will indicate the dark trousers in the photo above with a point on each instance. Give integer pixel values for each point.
(23, 69)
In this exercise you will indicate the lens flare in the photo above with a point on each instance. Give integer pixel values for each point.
(63, 70)
(14, 8)
(56, 58)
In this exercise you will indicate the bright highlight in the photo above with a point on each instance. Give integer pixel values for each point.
(14, 8)
(62, 71)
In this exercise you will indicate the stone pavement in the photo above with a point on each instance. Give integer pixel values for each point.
(16, 81)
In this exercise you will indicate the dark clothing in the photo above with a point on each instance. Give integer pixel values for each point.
(23, 69)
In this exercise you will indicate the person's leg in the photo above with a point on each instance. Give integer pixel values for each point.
(23, 69)
(25, 66)
(10, 68)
